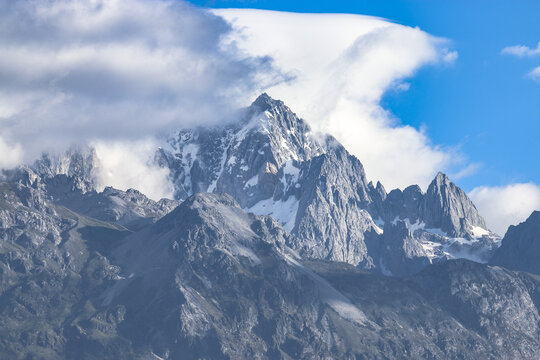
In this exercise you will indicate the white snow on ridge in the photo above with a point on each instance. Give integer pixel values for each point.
(419, 226)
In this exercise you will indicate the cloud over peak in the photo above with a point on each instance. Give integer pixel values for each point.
(343, 65)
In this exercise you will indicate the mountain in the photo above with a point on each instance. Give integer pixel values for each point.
(221, 283)
(520, 247)
(272, 163)
(209, 280)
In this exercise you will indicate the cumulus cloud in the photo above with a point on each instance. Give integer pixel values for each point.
(129, 164)
(506, 205)
(521, 50)
(343, 64)
(80, 71)
(75, 70)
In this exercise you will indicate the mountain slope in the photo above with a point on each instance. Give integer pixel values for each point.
(209, 280)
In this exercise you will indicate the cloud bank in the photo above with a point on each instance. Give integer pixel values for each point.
(116, 73)
(342, 65)
(73, 71)
(506, 205)
(106, 71)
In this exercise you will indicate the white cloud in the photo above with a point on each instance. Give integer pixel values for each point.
(506, 205)
(125, 165)
(521, 50)
(343, 64)
(10, 154)
(74, 70)
(468, 170)
(116, 70)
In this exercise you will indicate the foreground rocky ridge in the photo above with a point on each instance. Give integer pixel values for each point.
(210, 281)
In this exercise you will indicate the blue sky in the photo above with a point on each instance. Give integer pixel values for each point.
(484, 103)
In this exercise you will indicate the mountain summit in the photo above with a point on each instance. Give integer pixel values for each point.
(272, 163)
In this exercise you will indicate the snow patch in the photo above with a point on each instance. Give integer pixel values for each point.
(232, 160)
(478, 232)
(290, 175)
(432, 249)
(252, 182)
(420, 226)
(283, 212)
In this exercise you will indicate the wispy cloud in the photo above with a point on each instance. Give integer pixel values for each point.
(521, 50)
(128, 164)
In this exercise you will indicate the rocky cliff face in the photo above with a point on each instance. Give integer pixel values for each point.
(447, 207)
(520, 246)
(272, 164)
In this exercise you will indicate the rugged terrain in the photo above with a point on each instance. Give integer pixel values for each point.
(276, 247)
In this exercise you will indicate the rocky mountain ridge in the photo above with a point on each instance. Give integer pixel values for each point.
(209, 280)
(273, 164)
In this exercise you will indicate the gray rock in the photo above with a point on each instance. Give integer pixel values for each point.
(399, 253)
(448, 208)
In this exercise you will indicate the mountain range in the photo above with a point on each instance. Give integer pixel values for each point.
(275, 246)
